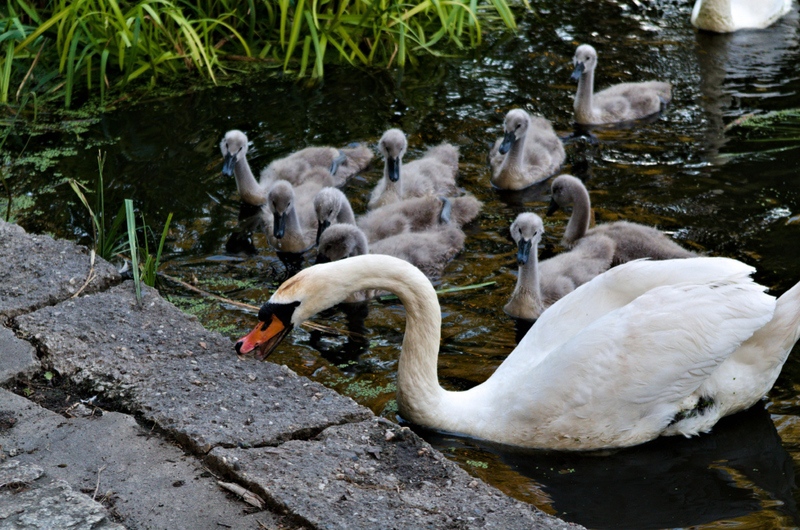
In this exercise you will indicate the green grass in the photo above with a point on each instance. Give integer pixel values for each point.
(59, 49)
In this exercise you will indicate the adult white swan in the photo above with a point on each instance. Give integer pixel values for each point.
(643, 350)
(725, 16)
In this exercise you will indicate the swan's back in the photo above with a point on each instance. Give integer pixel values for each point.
(564, 272)
(723, 16)
(294, 168)
(417, 214)
(616, 288)
(429, 251)
(542, 152)
(433, 174)
(635, 241)
(617, 360)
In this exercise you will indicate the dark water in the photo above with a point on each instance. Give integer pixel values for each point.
(715, 191)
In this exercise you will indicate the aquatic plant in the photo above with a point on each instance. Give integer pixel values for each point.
(55, 48)
(106, 237)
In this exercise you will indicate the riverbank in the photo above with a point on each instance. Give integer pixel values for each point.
(158, 420)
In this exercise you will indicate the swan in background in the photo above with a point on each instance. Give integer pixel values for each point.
(428, 251)
(297, 168)
(433, 174)
(622, 102)
(632, 240)
(646, 349)
(539, 285)
(529, 152)
(294, 222)
(409, 215)
(725, 16)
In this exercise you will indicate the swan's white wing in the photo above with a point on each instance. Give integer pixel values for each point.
(622, 379)
(613, 290)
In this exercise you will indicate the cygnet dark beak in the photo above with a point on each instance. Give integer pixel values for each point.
(578, 72)
(523, 251)
(393, 168)
(228, 164)
(279, 225)
(508, 142)
(321, 228)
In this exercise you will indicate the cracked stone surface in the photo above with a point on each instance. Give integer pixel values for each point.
(36, 271)
(148, 482)
(30, 501)
(375, 474)
(164, 364)
(17, 357)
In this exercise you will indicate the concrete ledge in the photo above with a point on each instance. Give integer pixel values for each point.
(42, 503)
(17, 357)
(149, 482)
(36, 271)
(375, 474)
(163, 364)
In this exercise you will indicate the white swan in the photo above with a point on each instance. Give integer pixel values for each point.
(618, 103)
(297, 168)
(433, 174)
(539, 285)
(643, 350)
(633, 240)
(725, 16)
(528, 153)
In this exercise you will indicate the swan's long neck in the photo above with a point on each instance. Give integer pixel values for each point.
(581, 214)
(514, 158)
(419, 396)
(713, 15)
(250, 191)
(584, 109)
(345, 215)
(528, 289)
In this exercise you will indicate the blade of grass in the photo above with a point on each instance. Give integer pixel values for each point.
(134, 249)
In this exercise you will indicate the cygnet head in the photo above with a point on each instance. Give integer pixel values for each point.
(233, 146)
(515, 127)
(564, 189)
(584, 61)
(526, 231)
(392, 146)
(341, 241)
(281, 201)
(327, 204)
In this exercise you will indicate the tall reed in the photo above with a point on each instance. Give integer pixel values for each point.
(100, 45)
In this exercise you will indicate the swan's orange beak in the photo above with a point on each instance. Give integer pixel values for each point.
(266, 336)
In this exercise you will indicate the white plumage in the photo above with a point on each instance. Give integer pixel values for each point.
(643, 350)
(724, 16)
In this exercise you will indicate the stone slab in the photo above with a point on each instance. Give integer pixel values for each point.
(375, 474)
(30, 501)
(149, 482)
(162, 363)
(17, 357)
(36, 271)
